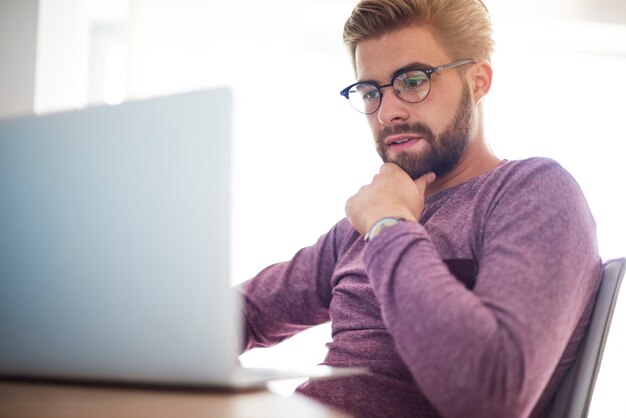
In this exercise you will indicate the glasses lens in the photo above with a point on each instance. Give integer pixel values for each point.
(412, 86)
(364, 97)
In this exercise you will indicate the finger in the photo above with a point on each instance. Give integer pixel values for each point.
(389, 168)
(423, 181)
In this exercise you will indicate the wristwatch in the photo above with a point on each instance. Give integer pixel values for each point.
(378, 226)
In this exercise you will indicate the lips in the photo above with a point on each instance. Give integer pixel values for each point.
(401, 142)
(401, 139)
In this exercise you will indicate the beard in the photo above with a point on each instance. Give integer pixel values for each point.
(443, 151)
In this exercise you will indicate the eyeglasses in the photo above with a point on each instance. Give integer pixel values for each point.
(411, 85)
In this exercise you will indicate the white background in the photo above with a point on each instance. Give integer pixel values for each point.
(300, 151)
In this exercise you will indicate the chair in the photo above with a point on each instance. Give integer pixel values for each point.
(574, 394)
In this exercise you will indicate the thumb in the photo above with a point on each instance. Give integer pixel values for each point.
(423, 181)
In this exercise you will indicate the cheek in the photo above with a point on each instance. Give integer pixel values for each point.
(435, 115)
(433, 112)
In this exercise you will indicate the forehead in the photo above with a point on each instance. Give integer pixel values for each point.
(378, 58)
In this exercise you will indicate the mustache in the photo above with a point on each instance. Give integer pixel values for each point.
(406, 128)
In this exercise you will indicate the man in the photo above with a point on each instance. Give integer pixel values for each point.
(462, 282)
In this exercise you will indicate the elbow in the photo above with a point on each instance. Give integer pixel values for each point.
(499, 385)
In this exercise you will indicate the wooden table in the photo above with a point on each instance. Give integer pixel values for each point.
(50, 400)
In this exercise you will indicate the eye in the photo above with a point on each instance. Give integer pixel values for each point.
(367, 92)
(412, 80)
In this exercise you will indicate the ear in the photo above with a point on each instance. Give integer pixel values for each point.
(479, 78)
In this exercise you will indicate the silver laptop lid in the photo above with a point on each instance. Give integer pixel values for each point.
(114, 242)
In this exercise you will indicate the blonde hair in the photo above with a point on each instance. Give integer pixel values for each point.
(462, 27)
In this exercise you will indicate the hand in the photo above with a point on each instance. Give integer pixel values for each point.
(391, 193)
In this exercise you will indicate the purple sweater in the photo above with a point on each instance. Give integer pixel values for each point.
(477, 311)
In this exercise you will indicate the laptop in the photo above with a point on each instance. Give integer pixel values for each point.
(115, 243)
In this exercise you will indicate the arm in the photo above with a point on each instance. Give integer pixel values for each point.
(490, 352)
(288, 297)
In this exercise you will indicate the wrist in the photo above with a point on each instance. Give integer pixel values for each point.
(381, 224)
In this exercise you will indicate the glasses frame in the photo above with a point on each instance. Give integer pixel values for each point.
(428, 71)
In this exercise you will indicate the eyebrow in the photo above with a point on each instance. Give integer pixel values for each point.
(412, 66)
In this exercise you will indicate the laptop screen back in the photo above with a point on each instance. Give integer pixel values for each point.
(114, 242)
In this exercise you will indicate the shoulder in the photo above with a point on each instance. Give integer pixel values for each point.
(541, 189)
(532, 168)
(534, 177)
(515, 183)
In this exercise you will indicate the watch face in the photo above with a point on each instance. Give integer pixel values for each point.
(378, 226)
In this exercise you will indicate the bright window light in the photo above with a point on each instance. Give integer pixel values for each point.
(558, 92)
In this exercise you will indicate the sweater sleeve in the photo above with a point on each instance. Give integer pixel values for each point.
(289, 297)
(490, 351)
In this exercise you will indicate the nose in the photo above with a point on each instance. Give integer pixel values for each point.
(392, 109)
